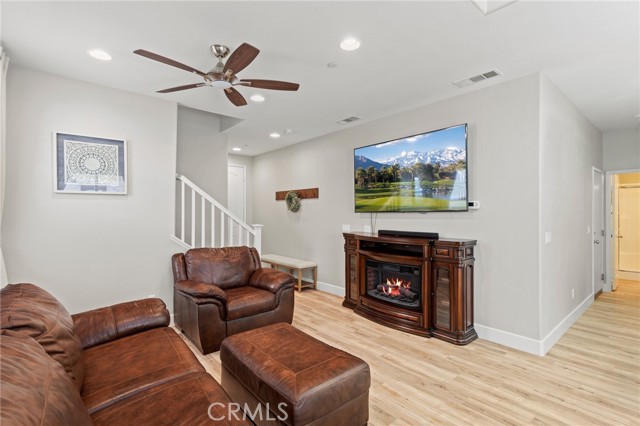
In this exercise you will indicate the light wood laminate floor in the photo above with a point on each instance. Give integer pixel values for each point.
(590, 377)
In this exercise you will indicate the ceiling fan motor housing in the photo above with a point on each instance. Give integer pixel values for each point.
(220, 50)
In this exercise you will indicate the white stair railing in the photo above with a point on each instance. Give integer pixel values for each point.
(201, 221)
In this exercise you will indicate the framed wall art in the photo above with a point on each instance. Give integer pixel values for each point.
(89, 165)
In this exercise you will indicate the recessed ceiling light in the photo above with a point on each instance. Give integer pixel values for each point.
(236, 149)
(350, 44)
(257, 98)
(99, 54)
(274, 135)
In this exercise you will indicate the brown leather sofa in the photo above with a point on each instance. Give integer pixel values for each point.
(219, 292)
(119, 365)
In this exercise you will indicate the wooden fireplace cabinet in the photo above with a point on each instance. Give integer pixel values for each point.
(447, 284)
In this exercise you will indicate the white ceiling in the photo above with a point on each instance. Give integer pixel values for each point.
(411, 53)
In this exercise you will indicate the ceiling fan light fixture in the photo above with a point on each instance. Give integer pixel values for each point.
(350, 44)
(257, 98)
(220, 84)
(99, 54)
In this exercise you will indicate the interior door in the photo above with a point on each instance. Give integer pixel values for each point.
(629, 229)
(236, 199)
(597, 229)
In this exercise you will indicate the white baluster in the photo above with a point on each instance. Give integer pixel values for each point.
(222, 225)
(202, 222)
(182, 211)
(257, 238)
(213, 225)
(193, 218)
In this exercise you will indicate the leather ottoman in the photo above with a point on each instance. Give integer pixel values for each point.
(281, 375)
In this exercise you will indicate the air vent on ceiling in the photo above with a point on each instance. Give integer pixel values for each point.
(348, 120)
(477, 78)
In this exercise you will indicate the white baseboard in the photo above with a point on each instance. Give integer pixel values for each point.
(515, 341)
(527, 344)
(624, 275)
(555, 334)
(330, 288)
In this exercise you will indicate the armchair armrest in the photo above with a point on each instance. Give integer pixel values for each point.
(113, 322)
(201, 289)
(270, 279)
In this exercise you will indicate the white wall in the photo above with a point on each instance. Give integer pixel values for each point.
(202, 151)
(88, 250)
(569, 147)
(247, 162)
(621, 150)
(503, 172)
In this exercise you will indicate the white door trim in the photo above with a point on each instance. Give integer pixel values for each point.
(609, 273)
(596, 228)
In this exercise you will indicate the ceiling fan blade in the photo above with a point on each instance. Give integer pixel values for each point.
(235, 97)
(185, 87)
(240, 58)
(167, 61)
(271, 84)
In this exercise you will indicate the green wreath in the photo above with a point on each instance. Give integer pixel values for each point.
(293, 201)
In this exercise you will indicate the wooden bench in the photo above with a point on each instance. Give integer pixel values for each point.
(292, 264)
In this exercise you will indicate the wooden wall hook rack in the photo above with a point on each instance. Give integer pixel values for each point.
(302, 193)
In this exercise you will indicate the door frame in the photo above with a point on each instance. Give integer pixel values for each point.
(594, 233)
(609, 273)
(244, 188)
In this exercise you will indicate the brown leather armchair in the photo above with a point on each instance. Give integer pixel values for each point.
(223, 291)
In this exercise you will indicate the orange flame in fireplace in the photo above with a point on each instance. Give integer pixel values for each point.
(392, 287)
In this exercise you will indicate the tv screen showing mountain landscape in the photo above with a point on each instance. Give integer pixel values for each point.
(420, 173)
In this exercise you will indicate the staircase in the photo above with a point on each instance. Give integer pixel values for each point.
(201, 221)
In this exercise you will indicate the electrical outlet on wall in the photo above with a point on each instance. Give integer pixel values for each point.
(346, 228)
(367, 228)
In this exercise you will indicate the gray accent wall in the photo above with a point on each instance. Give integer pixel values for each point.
(570, 146)
(512, 132)
(202, 151)
(621, 150)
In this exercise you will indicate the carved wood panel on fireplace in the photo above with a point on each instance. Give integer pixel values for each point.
(422, 286)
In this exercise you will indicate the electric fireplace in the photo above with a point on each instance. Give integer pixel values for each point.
(394, 283)
(418, 284)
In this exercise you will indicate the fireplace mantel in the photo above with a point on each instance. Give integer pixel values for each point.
(445, 288)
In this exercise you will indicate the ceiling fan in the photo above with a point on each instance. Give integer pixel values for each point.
(223, 75)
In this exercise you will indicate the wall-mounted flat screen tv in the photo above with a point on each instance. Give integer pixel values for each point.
(420, 173)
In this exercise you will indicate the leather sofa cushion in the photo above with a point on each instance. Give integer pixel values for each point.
(36, 389)
(184, 401)
(248, 301)
(113, 322)
(226, 267)
(28, 309)
(279, 363)
(126, 366)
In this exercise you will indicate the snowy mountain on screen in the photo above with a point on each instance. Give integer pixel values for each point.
(444, 157)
